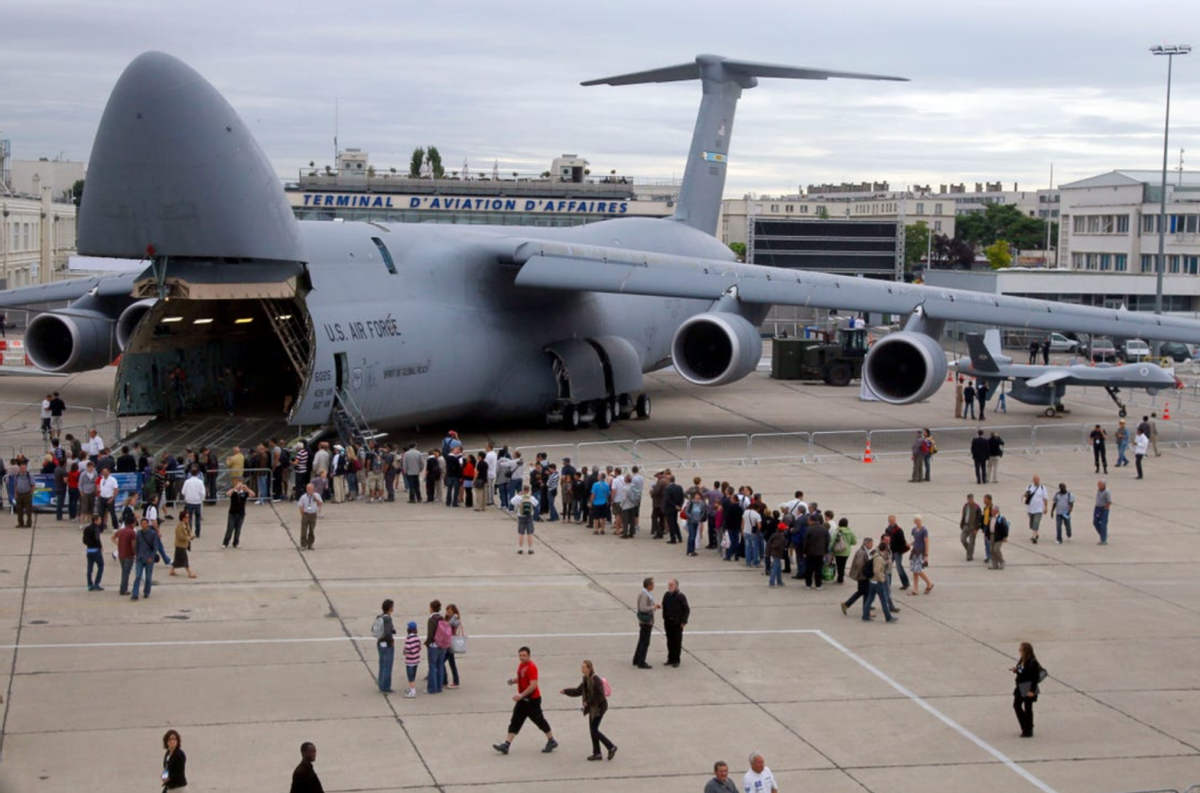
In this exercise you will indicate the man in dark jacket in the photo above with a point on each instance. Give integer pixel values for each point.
(673, 498)
(675, 612)
(816, 545)
(979, 455)
(304, 778)
(995, 452)
(899, 546)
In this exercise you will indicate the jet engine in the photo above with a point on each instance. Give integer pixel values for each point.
(70, 340)
(716, 348)
(905, 367)
(129, 319)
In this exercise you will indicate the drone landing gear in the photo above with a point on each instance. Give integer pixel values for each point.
(1112, 392)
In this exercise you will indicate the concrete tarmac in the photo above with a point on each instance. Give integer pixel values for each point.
(270, 646)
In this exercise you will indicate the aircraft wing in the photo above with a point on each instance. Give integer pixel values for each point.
(1053, 376)
(550, 265)
(117, 285)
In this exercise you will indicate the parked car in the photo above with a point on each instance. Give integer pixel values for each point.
(1102, 351)
(1060, 343)
(1135, 350)
(1178, 351)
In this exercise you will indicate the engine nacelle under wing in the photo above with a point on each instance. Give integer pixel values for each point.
(905, 367)
(71, 340)
(128, 321)
(716, 348)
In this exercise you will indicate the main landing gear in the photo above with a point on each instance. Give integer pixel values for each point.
(599, 412)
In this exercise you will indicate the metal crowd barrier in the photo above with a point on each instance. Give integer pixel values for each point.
(780, 447)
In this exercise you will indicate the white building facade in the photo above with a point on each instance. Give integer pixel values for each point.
(1110, 224)
(36, 239)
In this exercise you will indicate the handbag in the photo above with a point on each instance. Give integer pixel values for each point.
(828, 571)
(458, 642)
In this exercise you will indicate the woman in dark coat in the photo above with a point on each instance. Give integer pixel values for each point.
(595, 705)
(1028, 672)
(174, 762)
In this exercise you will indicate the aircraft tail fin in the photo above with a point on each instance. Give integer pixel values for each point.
(982, 357)
(723, 80)
(174, 172)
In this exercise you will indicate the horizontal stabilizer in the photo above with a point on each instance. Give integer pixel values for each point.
(742, 72)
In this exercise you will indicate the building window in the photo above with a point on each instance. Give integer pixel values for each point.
(1191, 264)
(937, 209)
(774, 207)
(1122, 224)
(1148, 223)
(1173, 263)
(1077, 261)
(1105, 261)
(937, 225)
(1120, 262)
(789, 208)
(1080, 224)
(1189, 225)
(920, 208)
(1147, 262)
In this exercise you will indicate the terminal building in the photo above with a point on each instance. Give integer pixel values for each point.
(566, 195)
(37, 219)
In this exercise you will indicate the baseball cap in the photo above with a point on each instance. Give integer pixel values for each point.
(412, 626)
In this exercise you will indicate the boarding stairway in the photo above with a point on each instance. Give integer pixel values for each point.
(293, 330)
(349, 421)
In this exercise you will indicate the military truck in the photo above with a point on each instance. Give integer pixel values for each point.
(836, 357)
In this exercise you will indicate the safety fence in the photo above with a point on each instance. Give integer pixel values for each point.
(844, 445)
(217, 486)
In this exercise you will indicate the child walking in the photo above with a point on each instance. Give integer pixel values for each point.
(412, 657)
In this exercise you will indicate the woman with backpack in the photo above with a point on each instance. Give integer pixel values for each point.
(841, 547)
(594, 691)
(1029, 673)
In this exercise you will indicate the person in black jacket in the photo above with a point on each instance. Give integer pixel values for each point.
(672, 502)
(979, 455)
(899, 547)
(304, 778)
(174, 762)
(1028, 672)
(675, 611)
(595, 705)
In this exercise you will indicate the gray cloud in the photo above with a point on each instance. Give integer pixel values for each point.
(998, 91)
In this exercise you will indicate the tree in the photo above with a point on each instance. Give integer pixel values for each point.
(916, 243)
(1002, 221)
(822, 213)
(77, 192)
(952, 252)
(739, 248)
(999, 255)
(435, 162)
(414, 164)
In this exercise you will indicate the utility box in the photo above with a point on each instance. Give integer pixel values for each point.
(787, 358)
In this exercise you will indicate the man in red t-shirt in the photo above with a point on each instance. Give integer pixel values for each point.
(125, 538)
(529, 705)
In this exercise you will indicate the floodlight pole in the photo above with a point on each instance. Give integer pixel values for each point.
(1170, 50)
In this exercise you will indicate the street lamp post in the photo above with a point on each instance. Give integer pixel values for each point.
(1170, 50)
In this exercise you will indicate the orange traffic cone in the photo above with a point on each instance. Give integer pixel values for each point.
(949, 377)
(1166, 411)
(867, 456)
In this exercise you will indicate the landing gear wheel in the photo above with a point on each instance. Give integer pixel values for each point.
(1051, 413)
(570, 418)
(1121, 413)
(624, 407)
(642, 408)
(604, 414)
(839, 375)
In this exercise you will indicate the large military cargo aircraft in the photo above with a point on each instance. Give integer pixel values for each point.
(381, 325)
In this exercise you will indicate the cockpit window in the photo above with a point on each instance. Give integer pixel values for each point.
(386, 254)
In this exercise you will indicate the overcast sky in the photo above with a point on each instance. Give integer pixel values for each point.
(999, 91)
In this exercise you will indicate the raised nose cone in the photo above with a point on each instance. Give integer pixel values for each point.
(174, 168)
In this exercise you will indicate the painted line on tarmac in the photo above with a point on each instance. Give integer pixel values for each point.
(937, 714)
(834, 643)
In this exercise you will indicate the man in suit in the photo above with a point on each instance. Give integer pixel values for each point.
(675, 611)
(645, 615)
(979, 455)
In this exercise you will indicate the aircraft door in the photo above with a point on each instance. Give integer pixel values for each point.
(339, 371)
